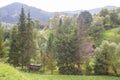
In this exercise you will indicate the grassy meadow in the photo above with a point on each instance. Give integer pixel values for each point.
(34, 76)
(9, 73)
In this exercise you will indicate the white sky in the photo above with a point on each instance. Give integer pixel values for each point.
(64, 5)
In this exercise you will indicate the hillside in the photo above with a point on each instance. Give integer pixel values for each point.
(10, 13)
(92, 11)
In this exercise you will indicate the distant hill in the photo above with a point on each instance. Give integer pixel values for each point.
(10, 13)
(92, 11)
(97, 10)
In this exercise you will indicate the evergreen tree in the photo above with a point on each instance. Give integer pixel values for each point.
(30, 45)
(26, 42)
(66, 47)
(1, 43)
(13, 55)
(3, 47)
(22, 37)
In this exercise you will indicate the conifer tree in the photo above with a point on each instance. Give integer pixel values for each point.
(13, 55)
(66, 47)
(3, 47)
(30, 46)
(26, 42)
(22, 37)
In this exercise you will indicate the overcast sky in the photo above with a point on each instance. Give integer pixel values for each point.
(64, 5)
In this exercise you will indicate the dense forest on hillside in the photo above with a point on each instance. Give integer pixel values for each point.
(81, 44)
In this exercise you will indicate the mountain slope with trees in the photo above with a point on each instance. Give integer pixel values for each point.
(10, 13)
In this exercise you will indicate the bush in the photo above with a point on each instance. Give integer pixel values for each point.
(107, 59)
(9, 73)
(69, 70)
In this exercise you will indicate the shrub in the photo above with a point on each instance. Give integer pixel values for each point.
(69, 70)
(9, 73)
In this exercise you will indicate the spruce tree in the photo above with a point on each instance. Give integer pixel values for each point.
(26, 42)
(30, 46)
(22, 36)
(66, 47)
(13, 55)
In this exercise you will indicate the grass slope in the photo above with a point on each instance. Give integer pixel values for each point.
(112, 35)
(34, 76)
(9, 73)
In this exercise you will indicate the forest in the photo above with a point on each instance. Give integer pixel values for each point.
(83, 44)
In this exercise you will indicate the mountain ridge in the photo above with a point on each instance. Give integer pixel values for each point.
(10, 13)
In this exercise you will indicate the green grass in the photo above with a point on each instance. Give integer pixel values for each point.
(112, 35)
(9, 73)
(34, 76)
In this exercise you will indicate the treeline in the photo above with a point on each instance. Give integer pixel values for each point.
(68, 45)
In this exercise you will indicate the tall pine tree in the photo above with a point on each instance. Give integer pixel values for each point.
(26, 42)
(30, 46)
(22, 37)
